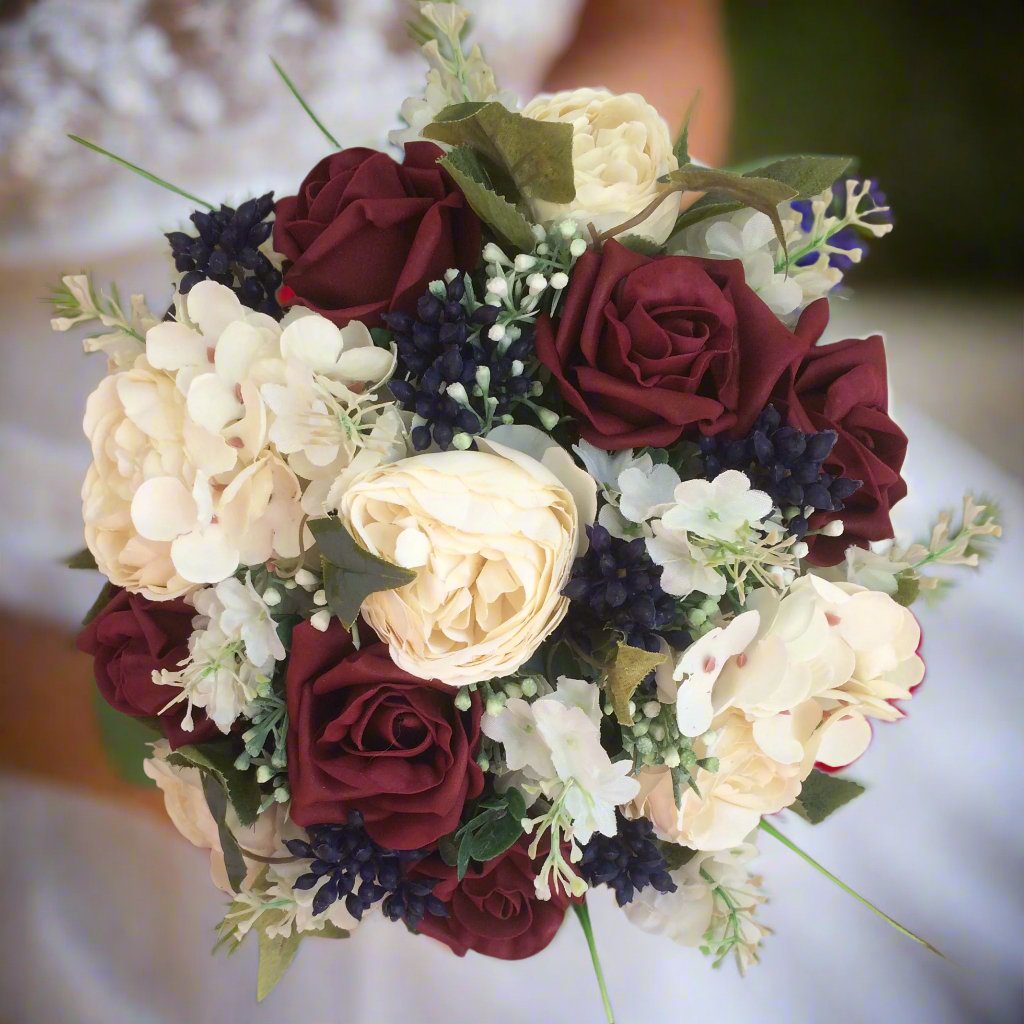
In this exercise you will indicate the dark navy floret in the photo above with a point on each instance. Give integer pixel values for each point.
(226, 250)
(627, 862)
(615, 584)
(363, 873)
(785, 463)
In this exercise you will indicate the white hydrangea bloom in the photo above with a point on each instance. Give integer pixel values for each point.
(720, 509)
(685, 569)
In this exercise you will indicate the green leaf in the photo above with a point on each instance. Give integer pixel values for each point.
(495, 838)
(908, 588)
(528, 157)
(628, 670)
(103, 598)
(219, 758)
(217, 800)
(125, 740)
(276, 955)
(464, 857)
(516, 803)
(703, 209)
(675, 855)
(682, 147)
(641, 244)
(808, 175)
(449, 850)
(382, 337)
(305, 106)
(822, 794)
(490, 206)
(83, 559)
(331, 931)
(351, 573)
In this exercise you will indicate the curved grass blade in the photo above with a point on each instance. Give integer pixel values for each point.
(305, 106)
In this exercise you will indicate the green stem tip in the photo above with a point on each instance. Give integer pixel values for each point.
(305, 106)
(766, 826)
(583, 914)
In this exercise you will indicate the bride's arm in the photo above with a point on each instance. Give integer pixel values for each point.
(665, 50)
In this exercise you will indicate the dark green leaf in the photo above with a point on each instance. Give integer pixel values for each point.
(103, 598)
(276, 956)
(125, 740)
(219, 758)
(822, 794)
(464, 856)
(675, 855)
(681, 148)
(516, 804)
(217, 801)
(351, 573)
(381, 337)
(81, 560)
(490, 206)
(528, 157)
(449, 850)
(703, 209)
(495, 838)
(807, 175)
(640, 244)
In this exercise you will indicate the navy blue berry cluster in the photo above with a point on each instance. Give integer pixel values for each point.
(785, 463)
(627, 862)
(615, 584)
(444, 344)
(226, 250)
(348, 858)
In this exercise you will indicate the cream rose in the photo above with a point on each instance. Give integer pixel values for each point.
(182, 789)
(492, 536)
(620, 147)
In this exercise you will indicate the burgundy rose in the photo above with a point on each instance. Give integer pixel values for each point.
(843, 387)
(365, 735)
(649, 350)
(494, 910)
(366, 235)
(130, 639)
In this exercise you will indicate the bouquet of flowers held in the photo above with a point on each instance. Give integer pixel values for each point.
(486, 522)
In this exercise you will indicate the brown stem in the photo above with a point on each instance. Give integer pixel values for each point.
(640, 217)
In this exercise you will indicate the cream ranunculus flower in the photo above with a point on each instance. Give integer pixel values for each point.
(186, 807)
(620, 147)
(492, 536)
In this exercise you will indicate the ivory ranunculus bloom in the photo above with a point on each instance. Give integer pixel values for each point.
(620, 147)
(492, 536)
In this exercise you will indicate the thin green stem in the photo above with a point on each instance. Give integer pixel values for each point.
(789, 844)
(583, 914)
(305, 106)
(141, 171)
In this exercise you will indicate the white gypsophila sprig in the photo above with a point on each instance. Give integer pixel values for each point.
(233, 626)
(77, 301)
(454, 76)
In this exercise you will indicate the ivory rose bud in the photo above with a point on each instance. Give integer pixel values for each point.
(620, 147)
(492, 536)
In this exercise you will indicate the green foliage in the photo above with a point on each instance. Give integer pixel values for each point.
(908, 588)
(675, 855)
(218, 759)
(822, 794)
(641, 244)
(305, 106)
(102, 600)
(83, 559)
(497, 824)
(681, 148)
(351, 573)
(217, 801)
(276, 956)
(628, 669)
(125, 740)
(525, 157)
(490, 206)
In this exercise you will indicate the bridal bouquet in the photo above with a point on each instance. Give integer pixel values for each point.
(487, 522)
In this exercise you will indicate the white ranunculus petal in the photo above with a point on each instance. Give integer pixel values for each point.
(412, 549)
(163, 508)
(205, 555)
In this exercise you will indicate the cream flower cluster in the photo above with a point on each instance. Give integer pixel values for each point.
(202, 448)
(492, 535)
(620, 147)
(792, 682)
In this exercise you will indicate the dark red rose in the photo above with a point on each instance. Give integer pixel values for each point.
(650, 350)
(130, 639)
(843, 387)
(494, 910)
(365, 735)
(366, 235)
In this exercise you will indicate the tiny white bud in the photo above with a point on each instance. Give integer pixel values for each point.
(493, 254)
(451, 274)
(524, 262)
(305, 578)
(495, 705)
(543, 249)
(800, 550)
(497, 287)
(517, 367)
(264, 773)
(537, 283)
(321, 620)
(513, 332)
(271, 598)
(652, 709)
(833, 529)
(458, 392)
(461, 441)
(539, 232)
(568, 228)
(559, 280)
(438, 290)
(463, 700)
(529, 687)
(513, 690)
(548, 419)
(483, 378)
(578, 246)
(290, 584)
(497, 332)
(671, 759)
(320, 598)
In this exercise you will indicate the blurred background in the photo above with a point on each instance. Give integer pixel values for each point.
(107, 911)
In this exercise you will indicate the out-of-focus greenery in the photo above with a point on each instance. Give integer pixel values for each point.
(930, 97)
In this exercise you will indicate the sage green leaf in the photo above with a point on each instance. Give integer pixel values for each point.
(489, 205)
(219, 758)
(908, 588)
(217, 801)
(528, 157)
(449, 850)
(682, 147)
(822, 794)
(641, 244)
(464, 856)
(276, 955)
(516, 803)
(628, 670)
(675, 855)
(83, 559)
(125, 740)
(495, 838)
(809, 175)
(351, 573)
(705, 208)
(331, 931)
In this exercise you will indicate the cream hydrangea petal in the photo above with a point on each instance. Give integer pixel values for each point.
(845, 736)
(313, 341)
(239, 346)
(211, 307)
(163, 508)
(784, 737)
(212, 402)
(205, 555)
(173, 346)
(645, 495)
(365, 364)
